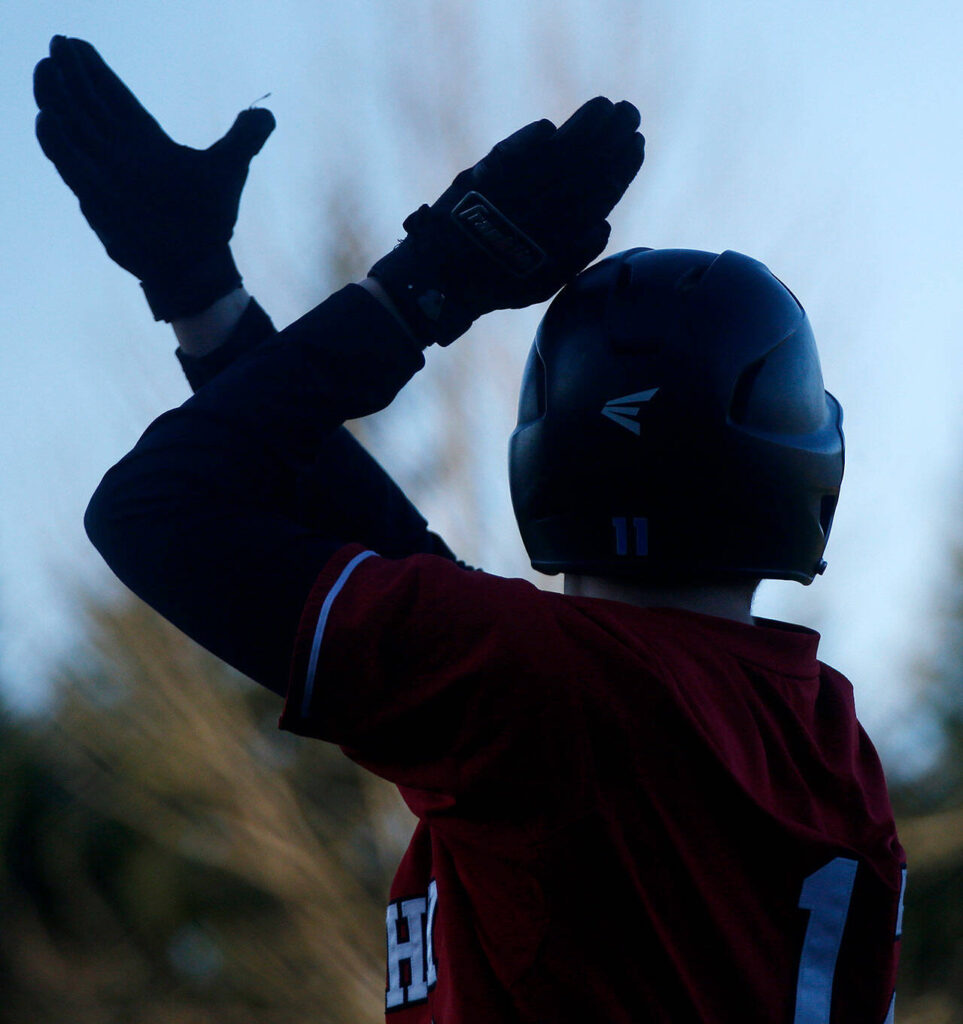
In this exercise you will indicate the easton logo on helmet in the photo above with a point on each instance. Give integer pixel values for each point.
(623, 410)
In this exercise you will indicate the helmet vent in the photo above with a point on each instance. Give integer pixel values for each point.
(623, 323)
(827, 509)
(739, 409)
(623, 282)
(689, 281)
(540, 385)
(531, 401)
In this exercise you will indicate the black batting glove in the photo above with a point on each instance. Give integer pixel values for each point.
(513, 229)
(165, 212)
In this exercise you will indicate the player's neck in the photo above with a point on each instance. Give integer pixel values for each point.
(727, 601)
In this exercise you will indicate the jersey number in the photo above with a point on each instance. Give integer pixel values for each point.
(825, 894)
(639, 535)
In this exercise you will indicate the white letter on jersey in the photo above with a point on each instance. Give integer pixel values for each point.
(417, 949)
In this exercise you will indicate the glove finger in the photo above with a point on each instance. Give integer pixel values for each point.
(107, 85)
(599, 128)
(625, 117)
(75, 167)
(64, 54)
(48, 86)
(531, 134)
(51, 93)
(516, 145)
(103, 110)
(587, 123)
(81, 111)
(625, 169)
(245, 137)
(602, 194)
(619, 135)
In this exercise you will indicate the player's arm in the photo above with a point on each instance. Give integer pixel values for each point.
(200, 509)
(345, 492)
(166, 213)
(205, 519)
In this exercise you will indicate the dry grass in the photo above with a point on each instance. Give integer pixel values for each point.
(157, 735)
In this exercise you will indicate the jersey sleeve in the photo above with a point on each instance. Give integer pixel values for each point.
(253, 328)
(344, 492)
(436, 677)
(224, 512)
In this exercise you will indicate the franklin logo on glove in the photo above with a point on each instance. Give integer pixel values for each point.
(497, 235)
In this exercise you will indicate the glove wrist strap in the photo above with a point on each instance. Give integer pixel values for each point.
(420, 278)
(190, 290)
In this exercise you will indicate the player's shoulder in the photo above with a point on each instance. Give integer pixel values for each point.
(432, 590)
(510, 617)
(428, 570)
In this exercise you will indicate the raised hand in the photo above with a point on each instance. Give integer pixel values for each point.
(165, 212)
(519, 224)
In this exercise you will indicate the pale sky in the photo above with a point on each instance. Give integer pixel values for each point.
(819, 137)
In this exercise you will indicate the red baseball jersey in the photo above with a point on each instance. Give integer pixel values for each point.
(625, 814)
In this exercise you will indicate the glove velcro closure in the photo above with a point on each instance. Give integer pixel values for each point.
(192, 289)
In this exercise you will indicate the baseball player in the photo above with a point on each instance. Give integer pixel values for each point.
(635, 801)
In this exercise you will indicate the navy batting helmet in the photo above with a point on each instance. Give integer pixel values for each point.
(673, 424)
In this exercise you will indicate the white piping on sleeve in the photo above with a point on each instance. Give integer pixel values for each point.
(322, 622)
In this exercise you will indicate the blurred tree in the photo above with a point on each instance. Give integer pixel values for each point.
(929, 810)
(169, 855)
